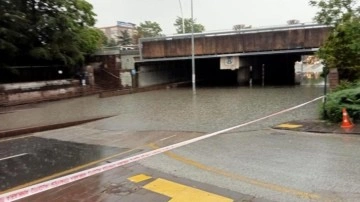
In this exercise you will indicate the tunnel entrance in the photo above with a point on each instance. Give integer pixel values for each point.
(270, 70)
(275, 69)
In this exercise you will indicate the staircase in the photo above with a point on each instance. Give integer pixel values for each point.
(106, 80)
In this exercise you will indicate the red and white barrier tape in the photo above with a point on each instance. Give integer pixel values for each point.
(41, 187)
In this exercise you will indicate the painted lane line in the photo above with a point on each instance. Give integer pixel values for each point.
(167, 138)
(242, 178)
(10, 157)
(41, 187)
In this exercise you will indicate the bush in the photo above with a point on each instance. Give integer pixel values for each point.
(344, 84)
(348, 98)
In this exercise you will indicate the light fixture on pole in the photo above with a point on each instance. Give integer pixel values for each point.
(192, 51)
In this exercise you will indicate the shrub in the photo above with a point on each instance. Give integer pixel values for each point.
(344, 84)
(348, 98)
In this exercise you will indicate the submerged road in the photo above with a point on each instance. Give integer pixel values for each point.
(251, 163)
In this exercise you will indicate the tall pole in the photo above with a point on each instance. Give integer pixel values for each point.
(193, 50)
(182, 18)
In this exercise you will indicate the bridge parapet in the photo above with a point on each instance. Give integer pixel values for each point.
(294, 37)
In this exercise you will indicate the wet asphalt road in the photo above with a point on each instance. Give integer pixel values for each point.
(253, 160)
(26, 159)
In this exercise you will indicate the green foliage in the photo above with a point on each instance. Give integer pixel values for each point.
(342, 49)
(335, 11)
(148, 29)
(91, 39)
(46, 31)
(125, 38)
(344, 84)
(349, 99)
(110, 43)
(198, 28)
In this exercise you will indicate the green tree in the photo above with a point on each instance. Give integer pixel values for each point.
(125, 38)
(342, 48)
(91, 39)
(187, 23)
(148, 29)
(56, 31)
(110, 42)
(335, 11)
(11, 34)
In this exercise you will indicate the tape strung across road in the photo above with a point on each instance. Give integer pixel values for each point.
(44, 186)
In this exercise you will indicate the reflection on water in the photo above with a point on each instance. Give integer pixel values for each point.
(167, 109)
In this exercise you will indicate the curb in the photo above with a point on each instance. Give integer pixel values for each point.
(35, 129)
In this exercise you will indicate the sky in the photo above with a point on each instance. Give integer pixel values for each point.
(215, 15)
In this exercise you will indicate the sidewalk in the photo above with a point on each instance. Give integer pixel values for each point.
(317, 126)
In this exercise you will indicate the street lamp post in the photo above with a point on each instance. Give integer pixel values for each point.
(182, 18)
(193, 50)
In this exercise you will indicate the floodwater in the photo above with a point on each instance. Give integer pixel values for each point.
(172, 110)
(210, 109)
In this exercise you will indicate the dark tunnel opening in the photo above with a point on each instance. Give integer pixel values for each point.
(270, 70)
(278, 70)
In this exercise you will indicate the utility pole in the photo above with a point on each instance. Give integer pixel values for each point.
(193, 50)
(182, 17)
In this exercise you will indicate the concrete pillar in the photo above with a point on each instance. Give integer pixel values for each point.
(333, 78)
(243, 75)
(90, 74)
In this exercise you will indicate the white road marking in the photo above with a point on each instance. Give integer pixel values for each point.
(10, 157)
(167, 138)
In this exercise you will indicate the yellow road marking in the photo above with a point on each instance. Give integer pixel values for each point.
(139, 178)
(181, 193)
(64, 172)
(289, 126)
(242, 178)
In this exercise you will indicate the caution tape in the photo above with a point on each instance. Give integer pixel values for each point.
(44, 186)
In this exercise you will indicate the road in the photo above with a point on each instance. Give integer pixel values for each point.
(251, 163)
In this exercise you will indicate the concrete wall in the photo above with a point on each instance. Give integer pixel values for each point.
(127, 62)
(30, 86)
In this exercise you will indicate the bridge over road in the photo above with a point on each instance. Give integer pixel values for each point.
(272, 51)
(302, 38)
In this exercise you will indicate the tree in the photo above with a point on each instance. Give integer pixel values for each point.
(110, 42)
(125, 38)
(148, 29)
(11, 35)
(342, 48)
(335, 11)
(91, 39)
(240, 27)
(187, 23)
(56, 31)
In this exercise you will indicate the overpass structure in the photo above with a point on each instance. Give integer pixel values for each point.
(245, 42)
(260, 56)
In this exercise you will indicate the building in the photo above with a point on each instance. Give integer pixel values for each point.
(113, 32)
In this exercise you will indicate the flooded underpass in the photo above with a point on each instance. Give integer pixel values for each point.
(255, 160)
(257, 70)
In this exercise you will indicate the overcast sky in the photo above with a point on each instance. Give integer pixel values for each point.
(215, 15)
